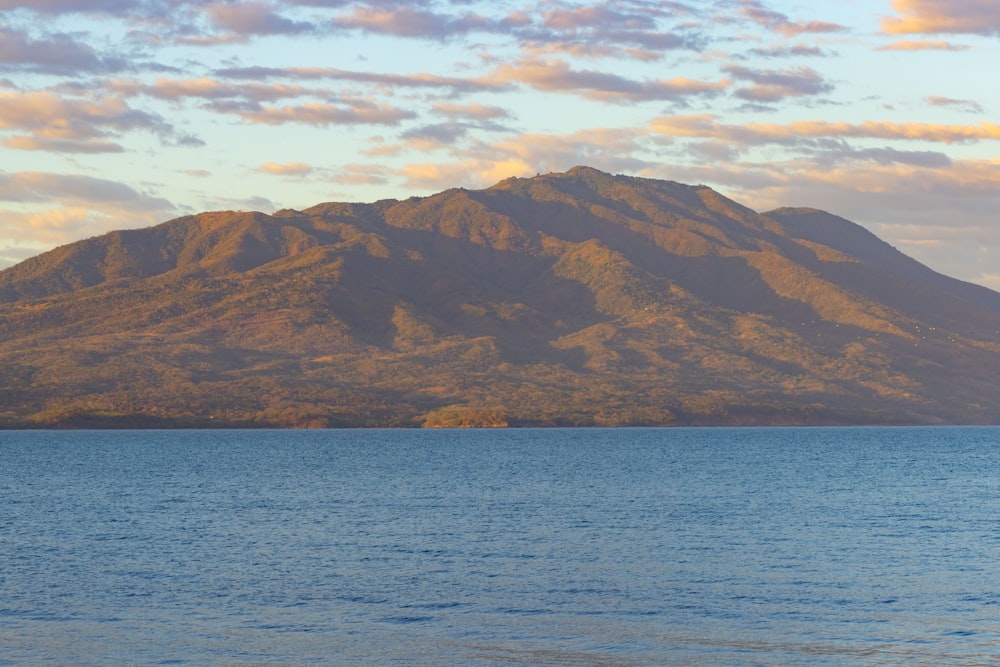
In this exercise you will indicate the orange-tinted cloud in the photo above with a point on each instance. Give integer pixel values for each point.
(254, 18)
(557, 76)
(36, 231)
(286, 169)
(350, 112)
(978, 17)
(433, 175)
(778, 22)
(404, 21)
(582, 17)
(775, 85)
(620, 29)
(970, 106)
(361, 174)
(64, 222)
(473, 110)
(424, 138)
(991, 280)
(922, 45)
(49, 208)
(207, 88)
(46, 121)
(437, 134)
(24, 142)
(484, 164)
(707, 126)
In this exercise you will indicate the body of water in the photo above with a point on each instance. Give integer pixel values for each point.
(813, 546)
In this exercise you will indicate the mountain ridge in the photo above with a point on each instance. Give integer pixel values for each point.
(577, 298)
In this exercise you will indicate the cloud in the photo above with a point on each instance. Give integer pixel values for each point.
(187, 140)
(707, 126)
(558, 76)
(175, 19)
(348, 112)
(606, 28)
(438, 134)
(580, 17)
(217, 201)
(969, 106)
(254, 18)
(473, 111)
(57, 53)
(245, 100)
(361, 174)
(320, 3)
(73, 125)
(977, 17)
(22, 142)
(48, 208)
(220, 23)
(922, 45)
(286, 169)
(775, 85)
(484, 164)
(838, 154)
(424, 139)
(713, 151)
(991, 280)
(435, 176)
(206, 88)
(609, 26)
(793, 51)
(589, 50)
(891, 193)
(434, 136)
(12, 254)
(30, 186)
(778, 22)
(206, 40)
(50, 226)
(405, 21)
(390, 82)
(120, 7)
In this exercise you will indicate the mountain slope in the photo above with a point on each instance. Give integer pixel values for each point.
(575, 298)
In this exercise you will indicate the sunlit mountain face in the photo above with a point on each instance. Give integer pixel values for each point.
(577, 298)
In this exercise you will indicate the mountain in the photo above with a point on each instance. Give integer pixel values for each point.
(577, 298)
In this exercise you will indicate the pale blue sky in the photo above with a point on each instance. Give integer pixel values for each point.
(125, 113)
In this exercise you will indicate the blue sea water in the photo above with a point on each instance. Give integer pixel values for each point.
(589, 547)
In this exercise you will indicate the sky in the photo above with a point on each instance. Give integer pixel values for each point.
(120, 114)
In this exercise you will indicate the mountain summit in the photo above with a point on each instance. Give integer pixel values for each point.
(577, 298)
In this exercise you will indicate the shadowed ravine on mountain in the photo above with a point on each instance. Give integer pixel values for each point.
(579, 298)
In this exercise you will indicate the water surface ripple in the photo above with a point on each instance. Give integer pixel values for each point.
(818, 546)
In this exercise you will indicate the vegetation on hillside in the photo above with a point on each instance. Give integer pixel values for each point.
(566, 299)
